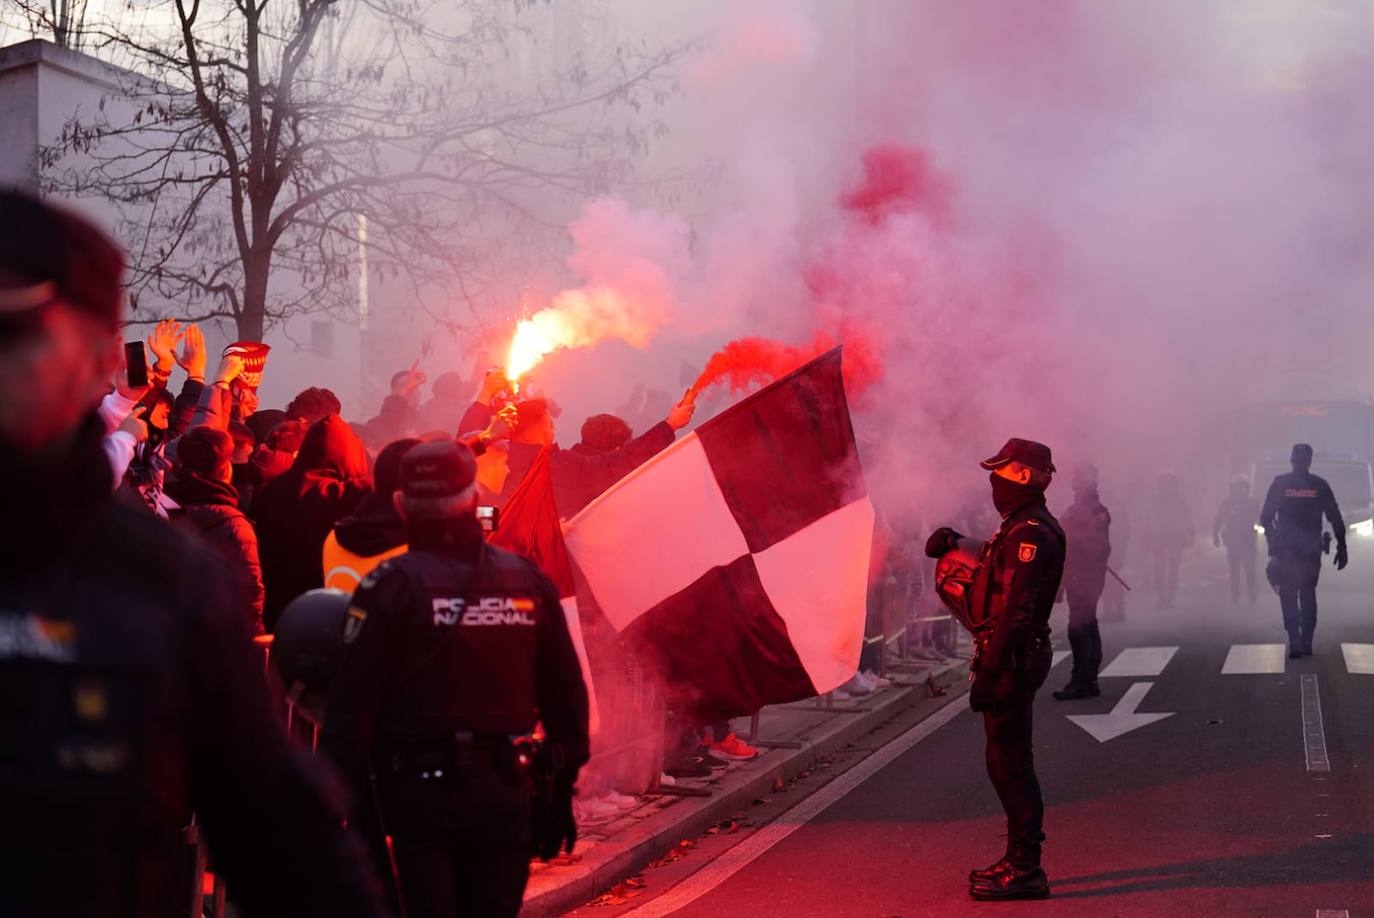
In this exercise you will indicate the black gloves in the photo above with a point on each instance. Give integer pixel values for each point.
(1342, 557)
(559, 828)
(942, 541)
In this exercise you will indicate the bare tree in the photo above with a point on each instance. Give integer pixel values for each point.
(253, 138)
(64, 20)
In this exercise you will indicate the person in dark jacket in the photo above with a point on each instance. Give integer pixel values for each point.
(374, 531)
(130, 693)
(1235, 528)
(1087, 526)
(296, 511)
(1292, 521)
(208, 503)
(578, 476)
(1169, 533)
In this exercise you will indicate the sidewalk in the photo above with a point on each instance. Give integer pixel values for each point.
(607, 854)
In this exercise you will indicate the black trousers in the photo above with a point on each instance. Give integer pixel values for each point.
(1011, 766)
(463, 845)
(1085, 638)
(1298, 575)
(443, 878)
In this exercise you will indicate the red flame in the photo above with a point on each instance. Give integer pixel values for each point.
(748, 363)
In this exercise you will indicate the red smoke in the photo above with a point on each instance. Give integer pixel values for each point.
(748, 363)
(897, 178)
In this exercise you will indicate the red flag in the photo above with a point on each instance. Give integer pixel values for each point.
(529, 526)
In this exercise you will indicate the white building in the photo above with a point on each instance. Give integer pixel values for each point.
(42, 86)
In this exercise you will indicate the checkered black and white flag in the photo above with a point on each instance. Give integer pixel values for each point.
(737, 559)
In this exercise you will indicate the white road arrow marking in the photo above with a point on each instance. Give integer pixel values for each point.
(1122, 719)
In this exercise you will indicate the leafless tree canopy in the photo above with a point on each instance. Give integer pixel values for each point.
(249, 136)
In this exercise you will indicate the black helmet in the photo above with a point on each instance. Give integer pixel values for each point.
(1271, 573)
(307, 646)
(955, 572)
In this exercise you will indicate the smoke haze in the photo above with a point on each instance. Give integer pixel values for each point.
(1103, 225)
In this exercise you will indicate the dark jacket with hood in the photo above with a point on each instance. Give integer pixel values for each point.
(130, 697)
(296, 511)
(210, 508)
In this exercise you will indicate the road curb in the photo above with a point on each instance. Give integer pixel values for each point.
(612, 861)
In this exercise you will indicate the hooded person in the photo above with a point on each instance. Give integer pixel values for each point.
(296, 511)
(373, 532)
(208, 505)
(395, 421)
(1234, 527)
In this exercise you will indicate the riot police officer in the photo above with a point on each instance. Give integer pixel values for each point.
(130, 692)
(1010, 597)
(1087, 526)
(453, 651)
(1292, 522)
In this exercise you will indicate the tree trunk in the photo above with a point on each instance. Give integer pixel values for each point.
(252, 320)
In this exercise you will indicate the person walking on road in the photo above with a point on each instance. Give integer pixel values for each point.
(1169, 532)
(1292, 522)
(1235, 528)
(1013, 589)
(1086, 528)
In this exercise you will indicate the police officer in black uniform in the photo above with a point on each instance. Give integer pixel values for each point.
(130, 691)
(1292, 521)
(1087, 529)
(453, 651)
(1013, 589)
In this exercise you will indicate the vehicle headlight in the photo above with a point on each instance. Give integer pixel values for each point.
(1364, 528)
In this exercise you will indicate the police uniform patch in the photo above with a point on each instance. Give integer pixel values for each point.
(1026, 552)
(353, 623)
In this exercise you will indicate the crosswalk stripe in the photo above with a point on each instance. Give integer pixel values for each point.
(1359, 658)
(1255, 658)
(1059, 657)
(1137, 662)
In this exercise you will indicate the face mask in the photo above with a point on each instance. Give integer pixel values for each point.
(1008, 495)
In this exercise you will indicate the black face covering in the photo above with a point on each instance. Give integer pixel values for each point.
(1008, 496)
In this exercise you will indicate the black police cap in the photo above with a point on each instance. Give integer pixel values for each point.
(48, 253)
(439, 469)
(1027, 452)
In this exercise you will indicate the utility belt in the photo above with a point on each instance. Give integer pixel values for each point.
(513, 756)
(1036, 643)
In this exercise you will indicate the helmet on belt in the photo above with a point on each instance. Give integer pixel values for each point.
(308, 644)
(1271, 573)
(955, 572)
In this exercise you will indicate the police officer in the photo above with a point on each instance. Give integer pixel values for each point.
(1292, 522)
(1087, 526)
(130, 692)
(1013, 588)
(1235, 527)
(453, 651)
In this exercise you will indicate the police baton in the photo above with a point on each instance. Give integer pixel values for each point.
(386, 841)
(1117, 578)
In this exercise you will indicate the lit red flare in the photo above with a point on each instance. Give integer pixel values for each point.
(748, 363)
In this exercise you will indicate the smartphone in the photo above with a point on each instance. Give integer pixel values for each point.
(136, 364)
(489, 517)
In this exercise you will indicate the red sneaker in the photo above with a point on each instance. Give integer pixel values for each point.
(732, 747)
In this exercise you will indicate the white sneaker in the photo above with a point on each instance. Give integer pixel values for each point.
(621, 801)
(877, 681)
(593, 812)
(667, 780)
(856, 685)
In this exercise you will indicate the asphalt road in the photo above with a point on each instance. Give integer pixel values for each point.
(1220, 808)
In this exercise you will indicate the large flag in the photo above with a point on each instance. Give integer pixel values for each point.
(529, 526)
(737, 559)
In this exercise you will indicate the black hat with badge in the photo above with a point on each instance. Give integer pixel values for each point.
(1027, 452)
(443, 468)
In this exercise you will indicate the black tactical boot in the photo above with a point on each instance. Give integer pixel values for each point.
(1075, 691)
(1307, 648)
(1294, 650)
(1013, 883)
(1021, 879)
(989, 873)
